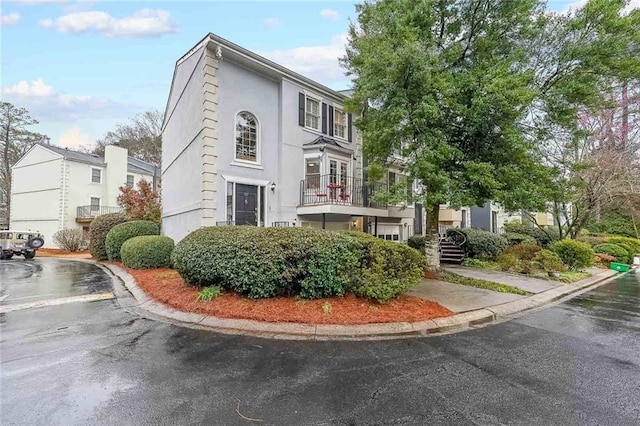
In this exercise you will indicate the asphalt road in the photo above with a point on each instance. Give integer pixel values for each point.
(577, 363)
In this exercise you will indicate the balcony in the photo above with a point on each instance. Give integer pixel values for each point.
(340, 194)
(85, 214)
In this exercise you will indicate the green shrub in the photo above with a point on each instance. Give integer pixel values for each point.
(593, 240)
(620, 253)
(515, 239)
(268, 262)
(479, 244)
(418, 242)
(98, 231)
(575, 254)
(122, 232)
(508, 262)
(632, 243)
(209, 293)
(477, 263)
(549, 261)
(386, 268)
(615, 222)
(147, 252)
(542, 237)
(524, 251)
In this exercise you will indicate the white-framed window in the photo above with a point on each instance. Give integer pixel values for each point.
(312, 173)
(339, 123)
(94, 206)
(96, 175)
(247, 137)
(129, 180)
(312, 115)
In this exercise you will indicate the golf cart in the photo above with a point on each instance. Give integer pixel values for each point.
(21, 243)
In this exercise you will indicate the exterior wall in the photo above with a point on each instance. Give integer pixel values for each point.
(36, 193)
(115, 174)
(183, 150)
(79, 189)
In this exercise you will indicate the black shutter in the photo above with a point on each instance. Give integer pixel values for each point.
(330, 121)
(349, 126)
(324, 118)
(301, 109)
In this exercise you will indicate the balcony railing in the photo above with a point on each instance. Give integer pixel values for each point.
(342, 190)
(91, 212)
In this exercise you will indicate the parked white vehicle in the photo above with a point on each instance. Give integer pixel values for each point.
(21, 243)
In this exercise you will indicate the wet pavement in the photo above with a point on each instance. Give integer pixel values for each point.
(94, 363)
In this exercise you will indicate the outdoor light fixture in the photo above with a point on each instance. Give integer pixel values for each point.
(273, 186)
(294, 222)
(355, 223)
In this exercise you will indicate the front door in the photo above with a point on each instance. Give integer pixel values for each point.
(246, 204)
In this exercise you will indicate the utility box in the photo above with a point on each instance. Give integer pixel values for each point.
(620, 267)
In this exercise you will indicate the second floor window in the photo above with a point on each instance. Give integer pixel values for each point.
(130, 180)
(95, 203)
(339, 123)
(246, 137)
(312, 113)
(96, 176)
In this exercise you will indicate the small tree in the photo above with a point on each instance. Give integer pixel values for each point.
(142, 203)
(71, 239)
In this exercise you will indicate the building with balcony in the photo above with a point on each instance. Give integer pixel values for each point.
(56, 188)
(249, 142)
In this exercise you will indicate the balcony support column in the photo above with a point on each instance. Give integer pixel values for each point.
(375, 227)
(324, 220)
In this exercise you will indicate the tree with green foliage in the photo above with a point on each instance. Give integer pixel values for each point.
(467, 90)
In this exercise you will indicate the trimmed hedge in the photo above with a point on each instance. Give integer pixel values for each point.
(147, 252)
(543, 238)
(122, 232)
(633, 243)
(620, 253)
(549, 261)
(575, 254)
(524, 251)
(515, 239)
(98, 231)
(418, 242)
(480, 244)
(386, 268)
(593, 240)
(307, 262)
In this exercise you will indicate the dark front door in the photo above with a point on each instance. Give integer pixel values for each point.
(246, 204)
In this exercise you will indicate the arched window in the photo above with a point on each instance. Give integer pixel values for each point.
(246, 137)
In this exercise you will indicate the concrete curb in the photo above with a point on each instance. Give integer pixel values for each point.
(133, 297)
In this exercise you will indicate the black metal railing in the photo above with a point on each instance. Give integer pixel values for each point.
(90, 212)
(331, 189)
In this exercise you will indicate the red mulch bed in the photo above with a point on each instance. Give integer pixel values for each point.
(54, 252)
(166, 286)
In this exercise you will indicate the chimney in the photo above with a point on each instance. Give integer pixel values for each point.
(116, 173)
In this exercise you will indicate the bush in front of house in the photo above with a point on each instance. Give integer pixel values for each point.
(71, 240)
(147, 252)
(633, 243)
(575, 254)
(593, 240)
(123, 231)
(542, 237)
(620, 253)
(479, 244)
(305, 262)
(268, 262)
(524, 251)
(549, 261)
(387, 269)
(508, 262)
(515, 239)
(418, 242)
(98, 231)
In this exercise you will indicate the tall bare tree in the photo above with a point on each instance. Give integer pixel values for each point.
(141, 137)
(15, 141)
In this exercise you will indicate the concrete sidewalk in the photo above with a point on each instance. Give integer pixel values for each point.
(460, 298)
(532, 285)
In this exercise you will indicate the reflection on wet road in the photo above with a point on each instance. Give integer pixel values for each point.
(94, 363)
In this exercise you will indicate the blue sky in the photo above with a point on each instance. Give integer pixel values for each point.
(81, 67)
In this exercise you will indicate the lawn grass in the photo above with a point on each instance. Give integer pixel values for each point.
(566, 277)
(450, 277)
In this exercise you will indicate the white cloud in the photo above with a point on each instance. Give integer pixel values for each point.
(9, 19)
(143, 23)
(317, 62)
(37, 88)
(74, 138)
(330, 14)
(272, 22)
(36, 2)
(44, 103)
(578, 4)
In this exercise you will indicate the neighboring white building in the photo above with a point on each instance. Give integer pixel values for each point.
(247, 141)
(55, 188)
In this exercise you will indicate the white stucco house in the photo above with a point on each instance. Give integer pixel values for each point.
(249, 142)
(56, 188)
